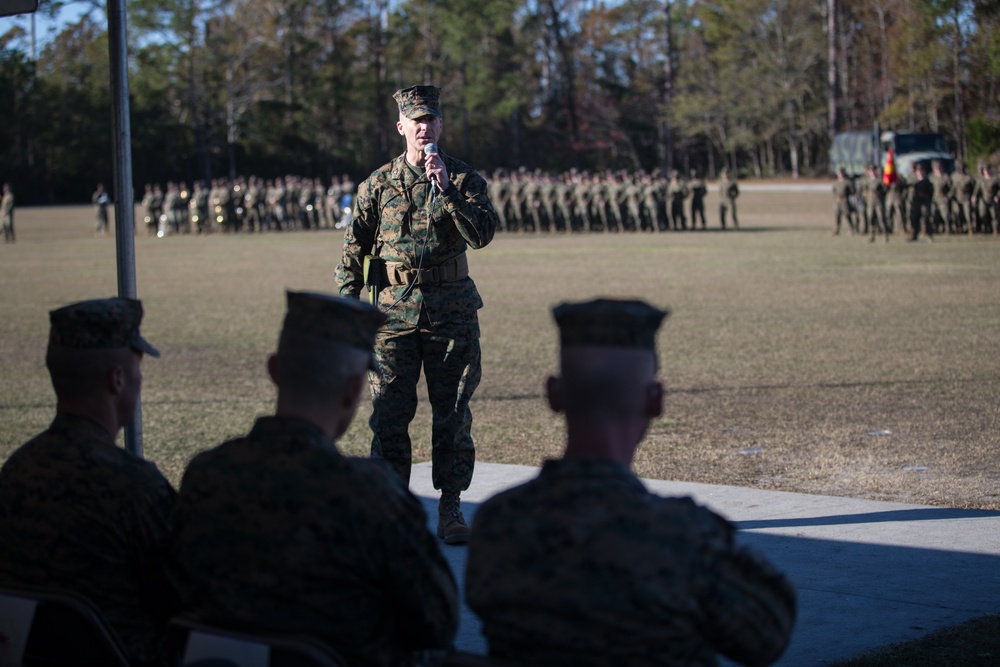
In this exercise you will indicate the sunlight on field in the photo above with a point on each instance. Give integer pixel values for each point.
(782, 339)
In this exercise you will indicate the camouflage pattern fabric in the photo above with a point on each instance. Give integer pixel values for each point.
(921, 196)
(99, 324)
(417, 101)
(698, 191)
(435, 325)
(677, 192)
(608, 323)
(729, 190)
(583, 566)
(79, 514)
(843, 191)
(279, 532)
(7, 215)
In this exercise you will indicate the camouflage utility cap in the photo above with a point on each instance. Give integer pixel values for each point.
(417, 101)
(333, 319)
(609, 323)
(99, 324)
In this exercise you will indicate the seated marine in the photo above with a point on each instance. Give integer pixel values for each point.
(583, 566)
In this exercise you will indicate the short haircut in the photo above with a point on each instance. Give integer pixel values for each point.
(606, 381)
(77, 372)
(321, 368)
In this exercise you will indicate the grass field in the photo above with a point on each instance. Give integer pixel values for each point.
(852, 369)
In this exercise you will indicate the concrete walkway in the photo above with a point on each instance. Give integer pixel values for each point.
(868, 573)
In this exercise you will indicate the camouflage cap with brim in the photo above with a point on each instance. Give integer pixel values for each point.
(609, 323)
(335, 319)
(417, 101)
(99, 324)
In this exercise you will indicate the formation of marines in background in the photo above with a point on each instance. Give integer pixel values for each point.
(525, 201)
(247, 204)
(934, 202)
(580, 201)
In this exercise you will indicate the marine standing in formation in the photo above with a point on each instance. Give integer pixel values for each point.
(584, 566)
(987, 200)
(677, 192)
(921, 198)
(101, 200)
(7, 214)
(964, 186)
(729, 190)
(698, 192)
(941, 219)
(873, 190)
(843, 192)
(416, 217)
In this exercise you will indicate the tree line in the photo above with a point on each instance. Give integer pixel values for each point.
(272, 87)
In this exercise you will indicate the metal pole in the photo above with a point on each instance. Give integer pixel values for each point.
(121, 141)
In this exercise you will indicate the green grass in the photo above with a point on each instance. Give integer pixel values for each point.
(782, 338)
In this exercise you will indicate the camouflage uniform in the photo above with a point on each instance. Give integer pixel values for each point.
(431, 303)
(7, 214)
(101, 200)
(584, 566)
(651, 206)
(874, 196)
(198, 210)
(698, 192)
(941, 218)
(78, 513)
(729, 190)
(988, 200)
(964, 187)
(564, 204)
(921, 197)
(547, 195)
(843, 192)
(278, 532)
(677, 192)
(532, 204)
(515, 203)
(895, 201)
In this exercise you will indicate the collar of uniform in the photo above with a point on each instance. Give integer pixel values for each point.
(590, 469)
(82, 428)
(283, 429)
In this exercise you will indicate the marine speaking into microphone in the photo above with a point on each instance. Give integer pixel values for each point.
(424, 289)
(431, 152)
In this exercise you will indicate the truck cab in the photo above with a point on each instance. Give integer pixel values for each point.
(912, 148)
(853, 151)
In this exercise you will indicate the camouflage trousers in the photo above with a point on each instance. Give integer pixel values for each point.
(724, 206)
(453, 368)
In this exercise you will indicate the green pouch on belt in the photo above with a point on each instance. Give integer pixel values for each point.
(372, 269)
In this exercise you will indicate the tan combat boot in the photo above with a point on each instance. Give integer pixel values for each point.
(451, 524)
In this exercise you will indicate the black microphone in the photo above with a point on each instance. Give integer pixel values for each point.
(432, 149)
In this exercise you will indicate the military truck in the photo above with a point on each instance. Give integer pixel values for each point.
(852, 151)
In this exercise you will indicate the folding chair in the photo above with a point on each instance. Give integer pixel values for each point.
(44, 628)
(210, 646)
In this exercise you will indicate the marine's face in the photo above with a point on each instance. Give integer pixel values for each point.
(420, 131)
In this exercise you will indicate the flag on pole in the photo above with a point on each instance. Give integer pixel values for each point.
(889, 175)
